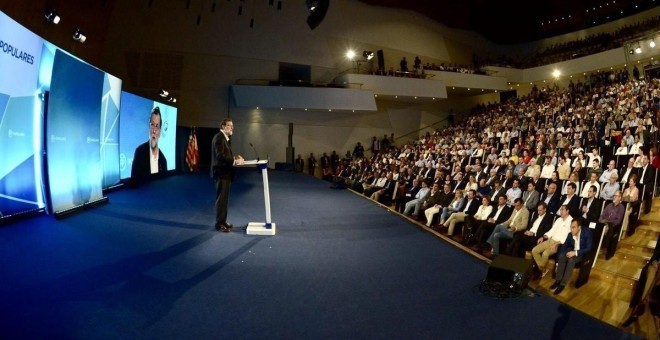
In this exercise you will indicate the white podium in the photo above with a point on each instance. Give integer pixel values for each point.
(262, 228)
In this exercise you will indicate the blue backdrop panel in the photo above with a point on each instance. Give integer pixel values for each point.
(20, 119)
(73, 133)
(110, 130)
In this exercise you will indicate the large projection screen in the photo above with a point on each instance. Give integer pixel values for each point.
(135, 130)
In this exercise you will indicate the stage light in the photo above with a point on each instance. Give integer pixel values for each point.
(51, 16)
(79, 36)
(638, 50)
(631, 51)
(368, 55)
(171, 100)
(350, 54)
(317, 11)
(311, 5)
(164, 93)
(652, 44)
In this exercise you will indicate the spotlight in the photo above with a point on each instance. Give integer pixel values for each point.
(638, 50)
(317, 11)
(164, 93)
(312, 5)
(652, 44)
(368, 55)
(171, 100)
(350, 54)
(79, 36)
(631, 51)
(51, 16)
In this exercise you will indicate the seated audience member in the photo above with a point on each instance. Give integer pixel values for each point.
(469, 209)
(408, 195)
(595, 169)
(445, 198)
(623, 149)
(607, 173)
(434, 197)
(480, 216)
(578, 243)
(592, 182)
(413, 206)
(498, 190)
(483, 189)
(516, 222)
(384, 195)
(628, 171)
(572, 178)
(483, 230)
(539, 223)
(564, 168)
(591, 206)
(548, 168)
(513, 192)
(530, 197)
(631, 195)
(456, 204)
(609, 188)
(550, 242)
(612, 216)
(551, 198)
(646, 176)
(571, 200)
(377, 184)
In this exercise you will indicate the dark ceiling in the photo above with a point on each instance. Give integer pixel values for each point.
(518, 21)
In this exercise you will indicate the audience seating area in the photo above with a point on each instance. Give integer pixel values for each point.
(606, 121)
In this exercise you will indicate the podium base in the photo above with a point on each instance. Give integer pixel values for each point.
(259, 228)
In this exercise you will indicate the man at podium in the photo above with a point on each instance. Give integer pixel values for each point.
(222, 171)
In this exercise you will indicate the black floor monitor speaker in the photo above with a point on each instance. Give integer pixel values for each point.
(513, 272)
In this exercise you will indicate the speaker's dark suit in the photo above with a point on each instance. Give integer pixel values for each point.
(222, 171)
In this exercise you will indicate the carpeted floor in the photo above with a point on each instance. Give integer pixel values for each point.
(148, 265)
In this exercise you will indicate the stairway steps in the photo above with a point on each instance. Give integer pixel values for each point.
(642, 238)
(621, 265)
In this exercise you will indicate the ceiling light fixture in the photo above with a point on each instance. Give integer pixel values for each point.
(79, 36)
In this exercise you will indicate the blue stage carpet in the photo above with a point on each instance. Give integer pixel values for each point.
(148, 265)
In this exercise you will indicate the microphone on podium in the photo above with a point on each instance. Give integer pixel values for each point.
(255, 151)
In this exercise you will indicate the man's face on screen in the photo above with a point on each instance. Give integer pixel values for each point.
(154, 131)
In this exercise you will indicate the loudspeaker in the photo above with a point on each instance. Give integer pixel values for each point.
(513, 272)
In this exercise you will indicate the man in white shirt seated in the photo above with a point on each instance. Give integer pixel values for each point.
(548, 245)
(548, 168)
(513, 192)
(592, 182)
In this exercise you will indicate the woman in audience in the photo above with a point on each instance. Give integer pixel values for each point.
(453, 207)
(573, 178)
(472, 184)
(623, 149)
(630, 195)
(579, 160)
(580, 171)
(554, 179)
(639, 159)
